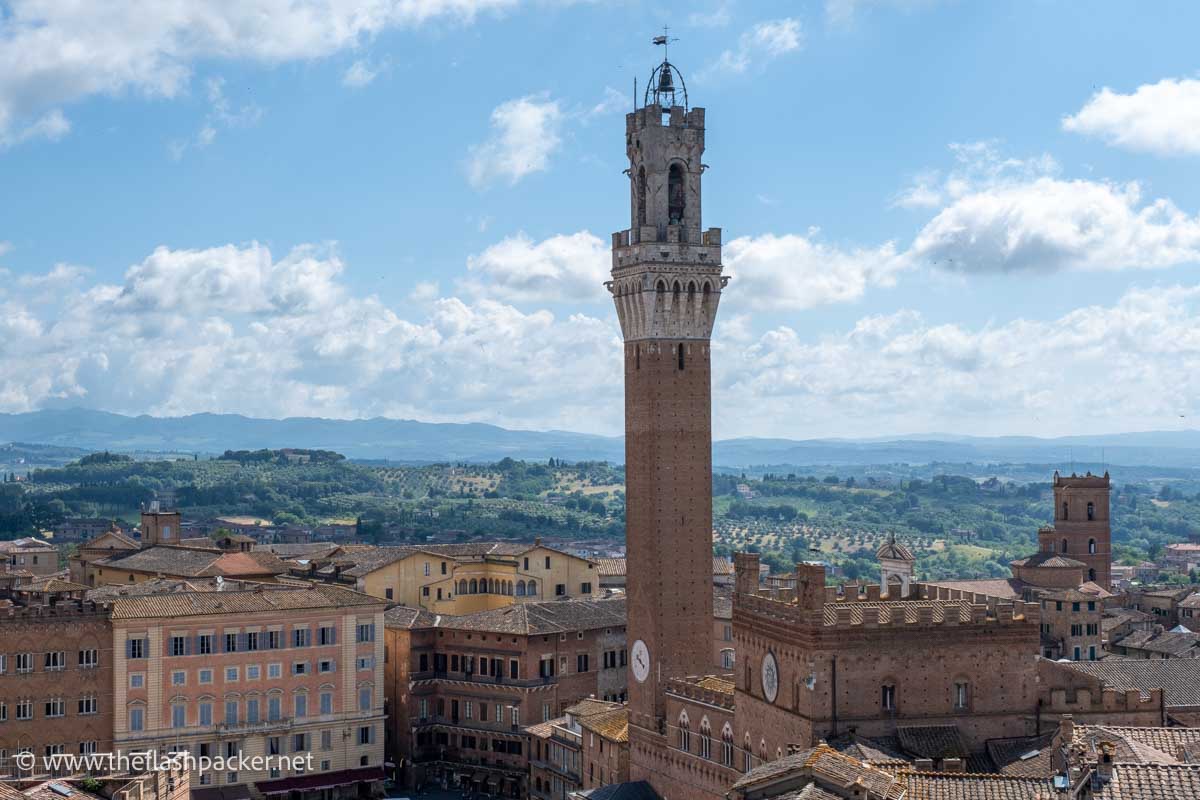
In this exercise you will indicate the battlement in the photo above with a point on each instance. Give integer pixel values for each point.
(651, 116)
(867, 610)
(714, 690)
(1088, 481)
(66, 610)
(645, 245)
(1084, 701)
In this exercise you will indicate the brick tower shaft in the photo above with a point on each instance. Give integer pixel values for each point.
(666, 285)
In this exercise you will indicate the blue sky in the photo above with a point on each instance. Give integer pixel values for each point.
(953, 216)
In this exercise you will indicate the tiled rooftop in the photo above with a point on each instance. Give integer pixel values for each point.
(553, 616)
(1179, 678)
(967, 786)
(1152, 782)
(202, 603)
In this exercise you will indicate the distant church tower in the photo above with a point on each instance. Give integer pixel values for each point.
(666, 283)
(1082, 528)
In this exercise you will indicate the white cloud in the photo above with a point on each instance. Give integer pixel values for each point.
(568, 268)
(53, 54)
(612, 102)
(999, 214)
(51, 126)
(359, 74)
(1161, 118)
(793, 272)
(221, 113)
(1139, 359)
(5, 247)
(525, 133)
(762, 43)
(231, 328)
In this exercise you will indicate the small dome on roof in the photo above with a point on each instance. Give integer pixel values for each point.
(894, 550)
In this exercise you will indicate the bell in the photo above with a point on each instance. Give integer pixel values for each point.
(665, 84)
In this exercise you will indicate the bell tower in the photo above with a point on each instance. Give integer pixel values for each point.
(666, 284)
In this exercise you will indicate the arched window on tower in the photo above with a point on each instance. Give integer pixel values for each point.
(1092, 546)
(747, 753)
(727, 745)
(675, 194)
(641, 196)
(685, 733)
(1092, 574)
(1064, 545)
(705, 739)
(1091, 510)
(1065, 513)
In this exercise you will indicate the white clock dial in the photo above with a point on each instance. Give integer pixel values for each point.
(640, 661)
(770, 677)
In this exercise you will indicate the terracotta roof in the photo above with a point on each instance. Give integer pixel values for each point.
(723, 566)
(716, 683)
(1178, 645)
(1152, 782)
(1028, 756)
(610, 567)
(811, 792)
(409, 617)
(883, 751)
(932, 741)
(52, 584)
(969, 786)
(301, 550)
(154, 586)
(24, 544)
(828, 767)
(543, 730)
(1179, 678)
(1006, 588)
(187, 562)
(1191, 602)
(612, 724)
(46, 791)
(636, 790)
(1044, 559)
(1138, 745)
(552, 616)
(202, 603)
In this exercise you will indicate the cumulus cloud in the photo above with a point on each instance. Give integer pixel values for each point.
(1138, 358)
(1161, 118)
(999, 214)
(54, 54)
(566, 267)
(524, 135)
(794, 272)
(232, 328)
(762, 43)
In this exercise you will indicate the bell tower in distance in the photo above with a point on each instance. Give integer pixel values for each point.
(666, 284)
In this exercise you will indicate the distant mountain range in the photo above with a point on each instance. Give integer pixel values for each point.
(423, 442)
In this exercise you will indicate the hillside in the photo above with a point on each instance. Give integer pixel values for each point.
(413, 442)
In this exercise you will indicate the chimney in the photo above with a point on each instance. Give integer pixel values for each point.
(1066, 727)
(1104, 763)
(745, 568)
(923, 765)
(952, 765)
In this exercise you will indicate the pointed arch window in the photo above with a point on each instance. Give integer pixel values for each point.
(676, 189)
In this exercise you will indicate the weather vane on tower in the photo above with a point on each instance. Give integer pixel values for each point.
(662, 80)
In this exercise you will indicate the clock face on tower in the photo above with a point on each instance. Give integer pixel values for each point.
(770, 677)
(640, 659)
